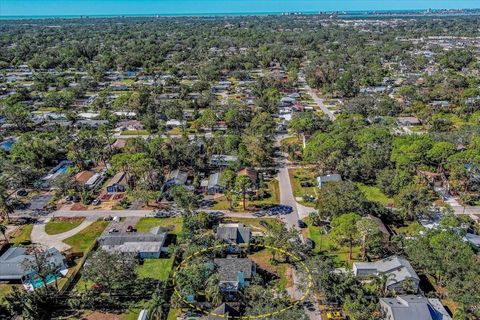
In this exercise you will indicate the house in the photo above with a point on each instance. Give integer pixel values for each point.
(473, 239)
(176, 178)
(119, 144)
(14, 267)
(322, 180)
(234, 273)
(223, 312)
(381, 227)
(234, 233)
(90, 123)
(89, 179)
(413, 307)
(214, 184)
(251, 173)
(130, 125)
(397, 270)
(221, 160)
(408, 121)
(170, 124)
(145, 245)
(440, 104)
(116, 184)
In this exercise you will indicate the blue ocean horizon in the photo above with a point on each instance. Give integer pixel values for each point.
(25, 9)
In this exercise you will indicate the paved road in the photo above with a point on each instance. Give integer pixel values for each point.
(317, 99)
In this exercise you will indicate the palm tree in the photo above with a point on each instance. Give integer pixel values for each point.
(212, 290)
(155, 307)
(381, 282)
(244, 183)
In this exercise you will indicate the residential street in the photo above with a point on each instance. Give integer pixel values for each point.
(316, 98)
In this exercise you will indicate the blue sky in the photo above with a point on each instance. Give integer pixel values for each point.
(116, 7)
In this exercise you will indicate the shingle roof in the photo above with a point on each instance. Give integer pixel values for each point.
(12, 262)
(413, 307)
(134, 242)
(226, 310)
(228, 268)
(234, 233)
(399, 267)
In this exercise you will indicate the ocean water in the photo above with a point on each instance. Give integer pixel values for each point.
(71, 8)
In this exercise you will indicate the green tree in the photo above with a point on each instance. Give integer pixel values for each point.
(243, 184)
(344, 229)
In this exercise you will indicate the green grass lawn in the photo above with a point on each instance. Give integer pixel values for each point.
(262, 259)
(413, 229)
(158, 269)
(172, 314)
(22, 234)
(146, 224)
(373, 193)
(324, 243)
(82, 241)
(297, 176)
(274, 198)
(5, 289)
(135, 133)
(57, 225)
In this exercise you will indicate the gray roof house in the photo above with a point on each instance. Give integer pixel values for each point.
(473, 239)
(145, 245)
(396, 268)
(214, 184)
(410, 307)
(176, 178)
(234, 273)
(222, 160)
(234, 233)
(13, 265)
(322, 180)
(223, 312)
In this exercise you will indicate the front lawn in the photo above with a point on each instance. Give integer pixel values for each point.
(273, 197)
(373, 193)
(134, 133)
(158, 269)
(61, 225)
(324, 243)
(303, 182)
(146, 224)
(22, 234)
(83, 240)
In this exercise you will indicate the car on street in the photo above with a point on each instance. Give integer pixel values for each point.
(113, 230)
(96, 202)
(130, 229)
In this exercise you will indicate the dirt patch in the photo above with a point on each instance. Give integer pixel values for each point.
(77, 206)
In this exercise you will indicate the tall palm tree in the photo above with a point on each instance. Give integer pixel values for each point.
(212, 290)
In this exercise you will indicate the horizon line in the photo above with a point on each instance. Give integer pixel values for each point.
(226, 14)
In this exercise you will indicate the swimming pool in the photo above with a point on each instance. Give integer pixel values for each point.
(7, 145)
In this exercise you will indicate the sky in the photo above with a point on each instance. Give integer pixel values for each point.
(20, 8)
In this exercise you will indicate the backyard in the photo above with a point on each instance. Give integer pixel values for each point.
(158, 269)
(373, 193)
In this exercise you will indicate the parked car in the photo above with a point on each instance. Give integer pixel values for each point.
(108, 218)
(96, 202)
(130, 229)
(302, 224)
(68, 198)
(76, 199)
(113, 230)
(259, 214)
(22, 193)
